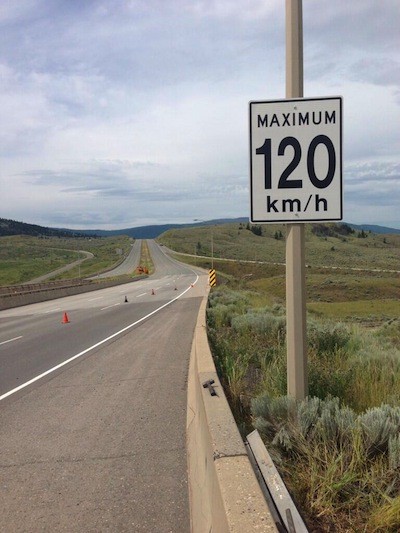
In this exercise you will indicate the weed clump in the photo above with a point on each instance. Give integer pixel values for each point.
(341, 466)
(327, 337)
(264, 323)
(223, 305)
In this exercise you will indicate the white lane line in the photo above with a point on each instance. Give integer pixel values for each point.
(51, 310)
(97, 298)
(40, 376)
(11, 340)
(143, 294)
(108, 306)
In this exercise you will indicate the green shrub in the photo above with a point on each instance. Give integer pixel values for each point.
(327, 337)
(390, 333)
(261, 323)
(342, 465)
(329, 376)
(313, 420)
(220, 316)
(226, 296)
(223, 305)
(378, 426)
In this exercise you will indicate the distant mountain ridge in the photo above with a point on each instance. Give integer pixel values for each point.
(154, 231)
(374, 228)
(12, 227)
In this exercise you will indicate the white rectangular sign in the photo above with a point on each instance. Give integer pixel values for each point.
(296, 160)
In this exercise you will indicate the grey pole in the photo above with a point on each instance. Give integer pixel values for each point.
(297, 379)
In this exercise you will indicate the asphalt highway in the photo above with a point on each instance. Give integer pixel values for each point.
(93, 410)
(128, 265)
(60, 270)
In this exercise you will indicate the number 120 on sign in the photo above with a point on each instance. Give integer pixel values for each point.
(296, 160)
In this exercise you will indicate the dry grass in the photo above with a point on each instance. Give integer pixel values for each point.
(23, 258)
(234, 241)
(145, 258)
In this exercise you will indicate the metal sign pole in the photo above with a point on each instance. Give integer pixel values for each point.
(297, 380)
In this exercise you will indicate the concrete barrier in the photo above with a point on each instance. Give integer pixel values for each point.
(224, 493)
(8, 301)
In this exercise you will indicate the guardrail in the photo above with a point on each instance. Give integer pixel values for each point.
(18, 295)
(27, 288)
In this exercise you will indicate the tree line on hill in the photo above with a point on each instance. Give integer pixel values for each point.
(13, 227)
(319, 230)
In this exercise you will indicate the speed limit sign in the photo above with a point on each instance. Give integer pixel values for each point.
(296, 160)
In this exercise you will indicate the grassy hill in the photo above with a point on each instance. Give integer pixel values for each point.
(351, 275)
(24, 257)
(13, 227)
(155, 230)
(327, 245)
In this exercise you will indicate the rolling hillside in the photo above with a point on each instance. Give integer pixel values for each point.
(326, 245)
(12, 227)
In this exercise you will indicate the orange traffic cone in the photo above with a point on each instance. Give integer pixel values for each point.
(65, 319)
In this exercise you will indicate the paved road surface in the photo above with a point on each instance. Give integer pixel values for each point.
(129, 265)
(99, 443)
(70, 266)
(126, 267)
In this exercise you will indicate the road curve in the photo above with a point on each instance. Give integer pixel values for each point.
(98, 443)
(128, 265)
(70, 266)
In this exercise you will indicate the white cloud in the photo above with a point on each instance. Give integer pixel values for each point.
(136, 111)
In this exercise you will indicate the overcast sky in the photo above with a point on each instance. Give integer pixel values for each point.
(121, 113)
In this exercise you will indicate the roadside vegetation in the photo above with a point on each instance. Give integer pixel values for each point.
(23, 258)
(338, 451)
